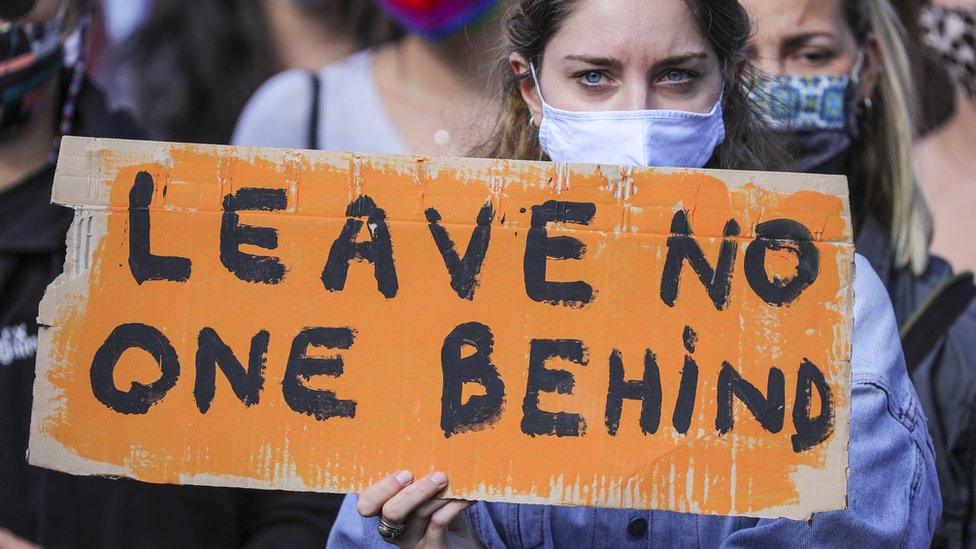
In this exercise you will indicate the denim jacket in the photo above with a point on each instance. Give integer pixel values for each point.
(892, 493)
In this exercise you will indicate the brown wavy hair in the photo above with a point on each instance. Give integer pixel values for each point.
(530, 24)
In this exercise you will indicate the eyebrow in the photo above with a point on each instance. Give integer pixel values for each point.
(615, 62)
(597, 61)
(681, 59)
(793, 42)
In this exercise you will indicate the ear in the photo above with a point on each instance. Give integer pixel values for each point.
(520, 66)
(870, 71)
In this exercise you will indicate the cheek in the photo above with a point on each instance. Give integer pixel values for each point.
(700, 100)
(711, 91)
(563, 92)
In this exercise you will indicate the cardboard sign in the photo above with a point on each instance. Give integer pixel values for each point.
(544, 333)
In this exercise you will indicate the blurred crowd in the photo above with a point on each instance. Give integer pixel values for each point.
(194, 73)
(898, 78)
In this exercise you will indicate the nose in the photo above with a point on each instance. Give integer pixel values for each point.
(636, 96)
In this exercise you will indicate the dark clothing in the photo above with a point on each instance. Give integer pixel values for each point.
(60, 510)
(31, 253)
(945, 382)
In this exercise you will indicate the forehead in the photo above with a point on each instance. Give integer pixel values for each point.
(773, 19)
(634, 31)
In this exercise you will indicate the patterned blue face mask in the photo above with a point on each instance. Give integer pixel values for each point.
(789, 102)
(815, 114)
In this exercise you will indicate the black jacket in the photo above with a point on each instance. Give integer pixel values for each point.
(59, 510)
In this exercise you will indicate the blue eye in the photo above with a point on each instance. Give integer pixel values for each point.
(593, 78)
(675, 75)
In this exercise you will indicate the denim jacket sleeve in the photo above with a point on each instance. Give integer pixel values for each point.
(893, 490)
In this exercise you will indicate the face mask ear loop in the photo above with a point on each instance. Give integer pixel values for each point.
(538, 88)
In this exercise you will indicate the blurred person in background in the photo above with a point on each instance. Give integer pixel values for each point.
(839, 88)
(45, 93)
(944, 158)
(933, 85)
(188, 69)
(426, 93)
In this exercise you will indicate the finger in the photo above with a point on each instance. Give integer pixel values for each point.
(397, 509)
(417, 522)
(442, 519)
(427, 509)
(371, 500)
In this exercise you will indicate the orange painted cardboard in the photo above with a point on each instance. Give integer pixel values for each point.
(547, 447)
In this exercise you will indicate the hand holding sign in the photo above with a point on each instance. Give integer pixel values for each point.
(310, 320)
(419, 519)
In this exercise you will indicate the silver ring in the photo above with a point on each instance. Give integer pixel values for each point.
(390, 532)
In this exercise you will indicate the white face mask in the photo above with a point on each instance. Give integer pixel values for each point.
(662, 138)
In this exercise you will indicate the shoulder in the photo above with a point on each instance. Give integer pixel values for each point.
(358, 62)
(875, 329)
(277, 114)
(937, 272)
(889, 438)
(963, 330)
(876, 353)
(96, 118)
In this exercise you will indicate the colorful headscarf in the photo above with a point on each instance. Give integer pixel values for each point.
(437, 19)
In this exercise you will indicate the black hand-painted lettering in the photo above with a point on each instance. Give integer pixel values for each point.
(465, 272)
(249, 267)
(647, 390)
(811, 431)
(378, 250)
(684, 406)
(540, 247)
(139, 398)
(480, 411)
(768, 410)
(683, 247)
(213, 352)
(320, 404)
(541, 379)
(142, 263)
(782, 234)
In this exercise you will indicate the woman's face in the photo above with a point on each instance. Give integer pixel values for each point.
(805, 37)
(614, 55)
(808, 37)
